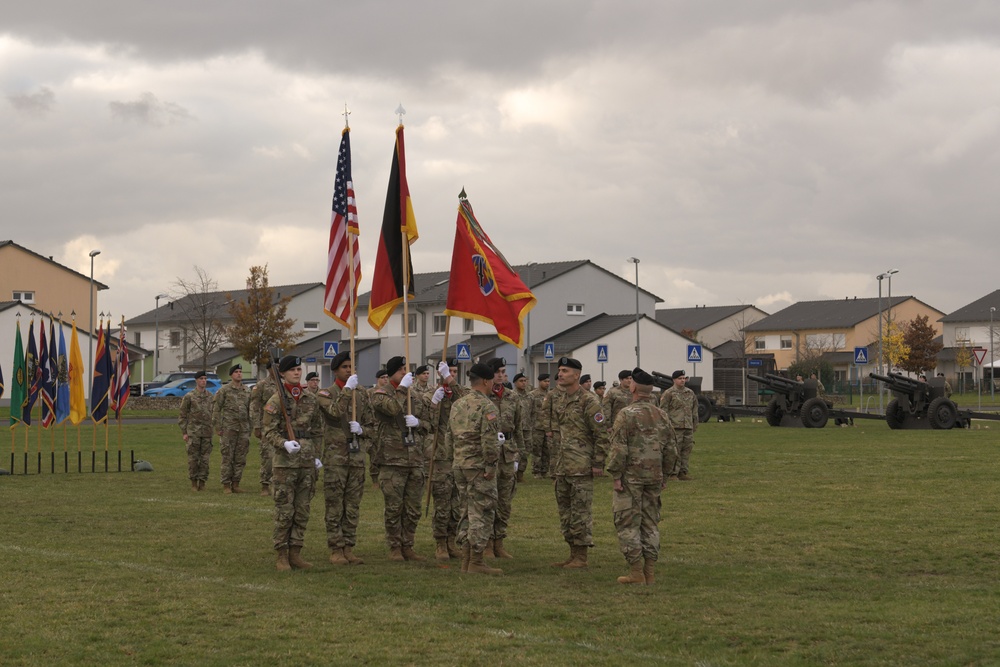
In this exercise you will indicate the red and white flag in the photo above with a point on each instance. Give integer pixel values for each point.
(343, 264)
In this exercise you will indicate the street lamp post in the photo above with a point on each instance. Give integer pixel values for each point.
(992, 390)
(156, 335)
(529, 371)
(888, 305)
(90, 333)
(635, 260)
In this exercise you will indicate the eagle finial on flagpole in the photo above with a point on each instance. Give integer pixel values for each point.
(347, 112)
(400, 111)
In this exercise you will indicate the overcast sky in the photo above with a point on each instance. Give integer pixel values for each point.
(760, 152)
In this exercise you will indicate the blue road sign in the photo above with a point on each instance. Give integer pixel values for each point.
(330, 349)
(755, 363)
(463, 351)
(694, 354)
(861, 356)
(310, 360)
(602, 354)
(550, 351)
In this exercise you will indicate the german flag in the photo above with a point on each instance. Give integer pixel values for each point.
(392, 261)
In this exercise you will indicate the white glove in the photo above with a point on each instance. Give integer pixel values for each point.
(406, 381)
(438, 395)
(501, 438)
(352, 382)
(355, 428)
(443, 370)
(411, 421)
(516, 465)
(291, 446)
(319, 464)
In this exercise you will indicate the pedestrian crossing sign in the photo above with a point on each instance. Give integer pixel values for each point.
(330, 349)
(694, 354)
(464, 352)
(861, 356)
(550, 351)
(602, 354)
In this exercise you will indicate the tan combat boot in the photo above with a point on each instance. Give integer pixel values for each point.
(337, 557)
(227, 489)
(466, 556)
(201, 485)
(410, 554)
(295, 558)
(396, 555)
(453, 550)
(265, 489)
(564, 563)
(351, 558)
(237, 489)
(489, 549)
(441, 552)
(579, 560)
(476, 565)
(647, 571)
(283, 565)
(499, 551)
(194, 485)
(634, 576)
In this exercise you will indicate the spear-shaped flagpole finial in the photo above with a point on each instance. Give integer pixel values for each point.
(400, 111)
(347, 112)
(461, 195)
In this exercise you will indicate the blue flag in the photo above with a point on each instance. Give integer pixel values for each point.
(102, 379)
(62, 384)
(33, 376)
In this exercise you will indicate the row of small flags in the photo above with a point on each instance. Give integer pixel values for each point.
(45, 374)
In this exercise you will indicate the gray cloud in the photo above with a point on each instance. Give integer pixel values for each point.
(33, 104)
(149, 110)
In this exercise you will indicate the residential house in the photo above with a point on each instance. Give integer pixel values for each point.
(974, 325)
(710, 325)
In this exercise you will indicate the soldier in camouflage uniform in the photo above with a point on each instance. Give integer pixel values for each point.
(381, 380)
(422, 381)
(344, 447)
(195, 421)
(575, 423)
(401, 457)
(640, 458)
(681, 406)
(539, 441)
(231, 419)
(618, 397)
(447, 513)
(295, 460)
(474, 425)
(509, 409)
(527, 419)
(260, 394)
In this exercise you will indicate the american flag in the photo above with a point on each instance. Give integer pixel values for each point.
(120, 391)
(341, 295)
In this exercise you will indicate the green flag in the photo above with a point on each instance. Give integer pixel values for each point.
(18, 380)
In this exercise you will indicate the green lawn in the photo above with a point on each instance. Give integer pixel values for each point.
(852, 546)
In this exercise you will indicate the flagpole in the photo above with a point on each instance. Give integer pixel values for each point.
(353, 287)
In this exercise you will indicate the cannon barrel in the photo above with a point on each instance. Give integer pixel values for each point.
(781, 379)
(775, 381)
(896, 381)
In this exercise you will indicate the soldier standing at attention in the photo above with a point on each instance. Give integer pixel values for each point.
(539, 441)
(295, 460)
(599, 388)
(681, 406)
(474, 425)
(196, 426)
(422, 379)
(312, 382)
(231, 417)
(381, 380)
(508, 407)
(585, 382)
(400, 458)
(527, 419)
(640, 458)
(575, 425)
(617, 397)
(444, 526)
(259, 395)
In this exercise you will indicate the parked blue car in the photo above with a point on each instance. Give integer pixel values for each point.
(182, 387)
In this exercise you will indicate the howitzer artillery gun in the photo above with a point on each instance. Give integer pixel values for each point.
(918, 403)
(795, 402)
(705, 404)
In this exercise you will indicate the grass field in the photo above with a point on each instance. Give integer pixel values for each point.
(853, 546)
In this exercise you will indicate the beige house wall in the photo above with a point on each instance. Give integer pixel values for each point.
(57, 289)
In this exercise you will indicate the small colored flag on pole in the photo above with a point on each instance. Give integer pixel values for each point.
(341, 289)
(33, 375)
(101, 383)
(390, 261)
(77, 393)
(62, 383)
(19, 387)
(46, 387)
(121, 389)
(482, 284)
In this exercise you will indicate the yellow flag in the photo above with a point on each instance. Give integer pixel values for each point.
(77, 400)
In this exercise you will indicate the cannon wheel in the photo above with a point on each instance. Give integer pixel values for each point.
(894, 414)
(704, 409)
(942, 413)
(772, 413)
(814, 413)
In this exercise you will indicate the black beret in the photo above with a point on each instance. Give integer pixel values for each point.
(584, 378)
(481, 371)
(339, 359)
(519, 376)
(288, 362)
(496, 363)
(673, 376)
(200, 374)
(640, 376)
(381, 373)
(312, 375)
(422, 369)
(453, 362)
(394, 365)
(543, 376)
(236, 367)
(624, 374)
(570, 362)
(599, 384)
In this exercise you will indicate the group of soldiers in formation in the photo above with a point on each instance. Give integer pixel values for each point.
(472, 443)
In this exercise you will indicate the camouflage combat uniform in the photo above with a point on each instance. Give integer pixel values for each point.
(195, 421)
(508, 406)
(260, 394)
(641, 455)
(343, 462)
(293, 475)
(539, 442)
(681, 406)
(527, 424)
(579, 445)
(616, 399)
(444, 489)
(401, 465)
(231, 418)
(474, 426)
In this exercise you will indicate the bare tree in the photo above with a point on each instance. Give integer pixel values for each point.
(202, 308)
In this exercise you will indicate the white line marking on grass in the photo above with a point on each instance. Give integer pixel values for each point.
(170, 501)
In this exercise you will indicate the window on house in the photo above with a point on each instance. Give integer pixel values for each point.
(574, 309)
(310, 326)
(468, 326)
(962, 333)
(23, 296)
(175, 339)
(786, 342)
(411, 323)
(759, 344)
(137, 336)
(440, 323)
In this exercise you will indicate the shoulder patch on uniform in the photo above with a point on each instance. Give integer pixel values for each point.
(323, 392)
(491, 416)
(270, 408)
(599, 418)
